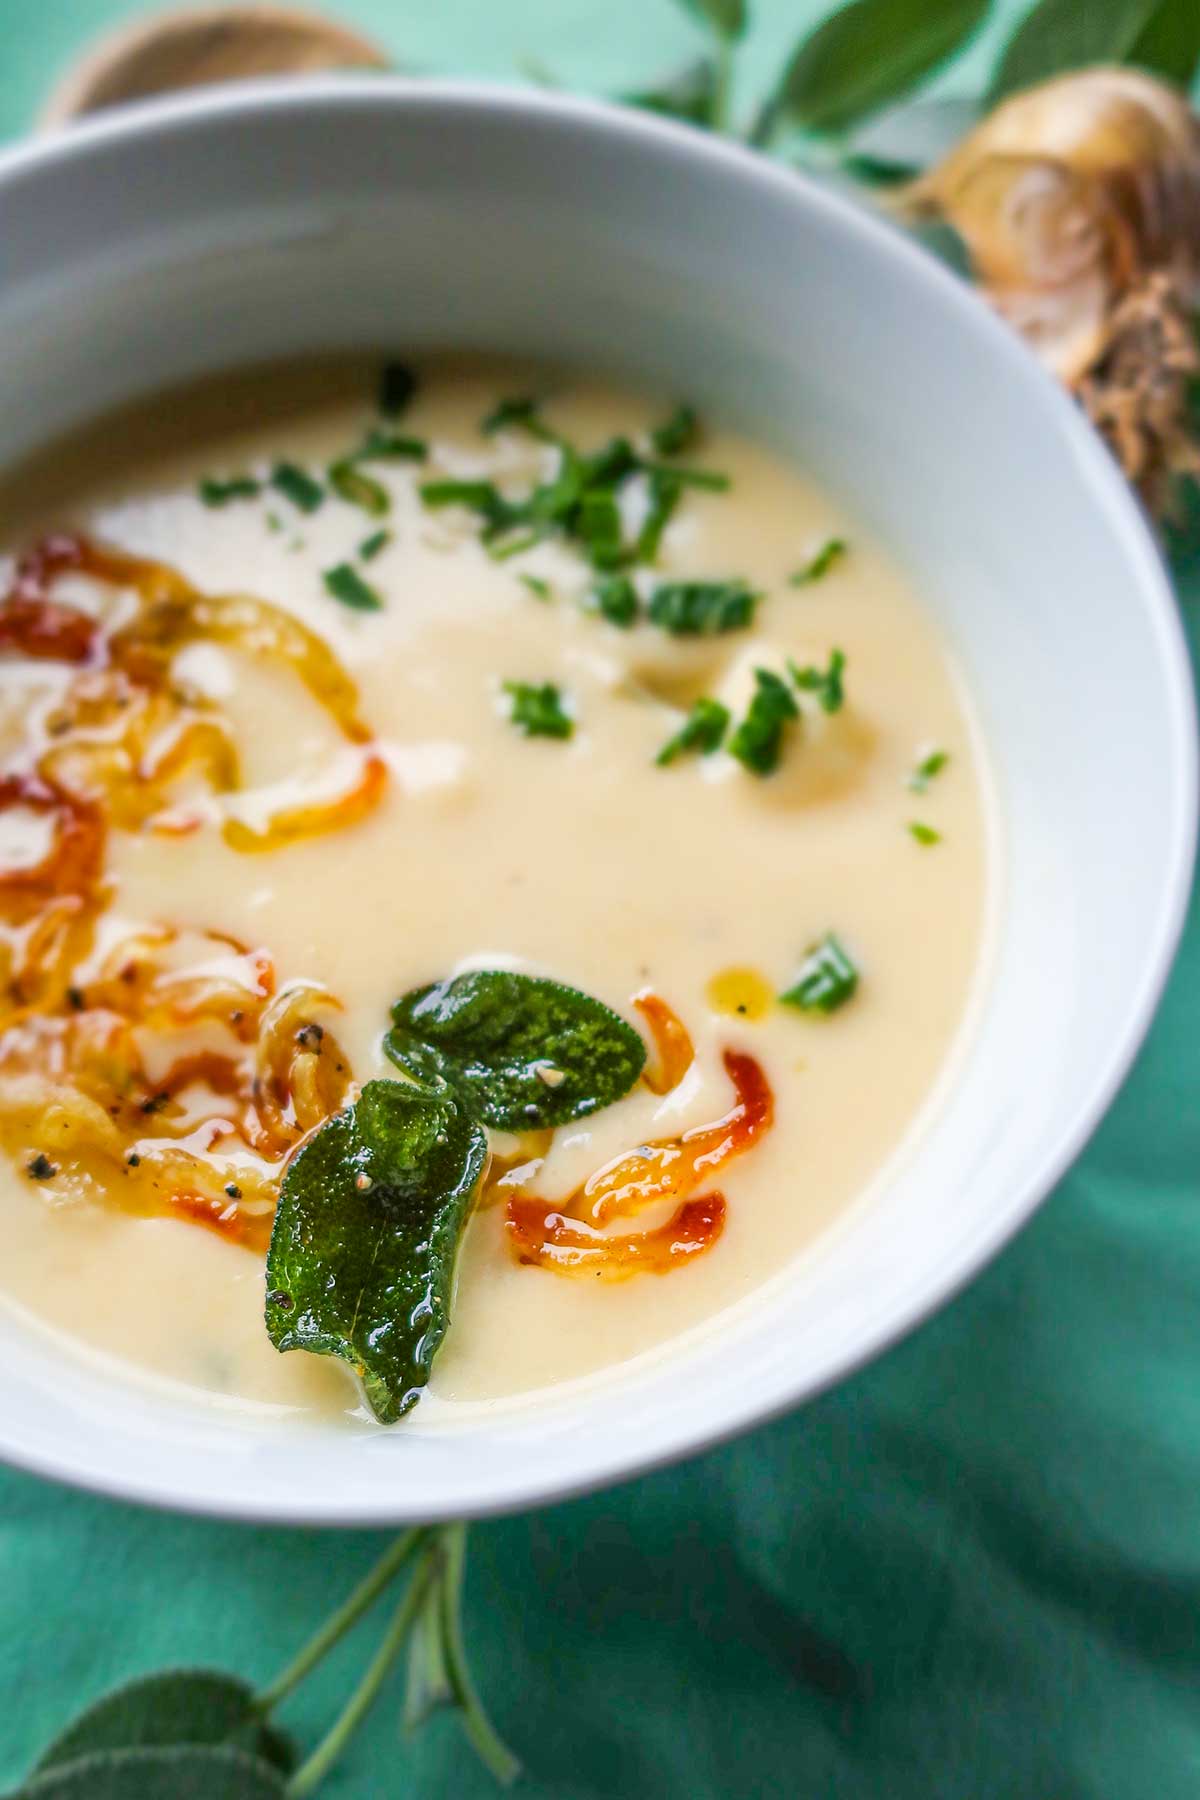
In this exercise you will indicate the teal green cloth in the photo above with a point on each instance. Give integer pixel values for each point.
(971, 1573)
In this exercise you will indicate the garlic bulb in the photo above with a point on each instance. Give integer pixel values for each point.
(1079, 204)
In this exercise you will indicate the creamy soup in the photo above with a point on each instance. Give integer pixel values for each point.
(306, 705)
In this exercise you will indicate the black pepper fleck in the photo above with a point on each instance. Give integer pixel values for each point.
(41, 1168)
(233, 1190)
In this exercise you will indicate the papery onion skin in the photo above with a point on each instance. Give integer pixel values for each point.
(1079, 204)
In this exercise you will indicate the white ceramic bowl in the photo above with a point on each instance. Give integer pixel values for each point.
(183, 237)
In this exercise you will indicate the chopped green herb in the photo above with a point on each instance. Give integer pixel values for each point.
(483, 497)
(616, 600)
(925, 771)
(712, 479)
(298, 486)
(702, 608)
(758, 740)
(397, 385)
(826, 684)
(924, 834)
(537, 586)
(40, 1167)
(522, 411)
(677, 433)
(665, 492)
(820, 564)
(371, 546)
(345, 583)
(386, 446)
(608, 466)
(219, 491)
(599, 526)
(702, 730)
(538, 711)
(500, 547)
(826, 979)
(348, 480)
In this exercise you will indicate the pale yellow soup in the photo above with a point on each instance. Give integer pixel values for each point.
(578, 859)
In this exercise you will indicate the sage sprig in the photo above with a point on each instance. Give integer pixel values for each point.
(196, 1734)
(872, 55)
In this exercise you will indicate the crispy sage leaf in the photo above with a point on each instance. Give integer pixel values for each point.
(170, 1708)
(520, 1051)
(187, 1772)
(867, 56)
(361, 1264)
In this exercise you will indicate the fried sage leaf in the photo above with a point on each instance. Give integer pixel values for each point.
(372, 1208)
(521, 1052)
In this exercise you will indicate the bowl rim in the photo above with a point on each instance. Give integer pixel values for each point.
(144, 122)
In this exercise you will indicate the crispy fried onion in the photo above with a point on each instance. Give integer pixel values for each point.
(170, 1073)
(175, 1091)
(569, 1235)
(125, 733)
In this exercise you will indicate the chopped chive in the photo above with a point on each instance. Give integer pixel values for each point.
(702, 608)
(538, 710)
(826, 684)
(702, 730)
(501, 548)
(830, 552)
(826, 979)
(925, 771)
(348, 480)
(219, 491)
(298, 486)
(387, 446)
(712, 479)
(758, 740)
(522, 411)
(371, 546)
(609, 465)
(345, 583)
(677, 433)
(616, 600)
(599, 526)
(397, 385)
(665, 493)
(536, 586)
(924, 834)
(478, 496)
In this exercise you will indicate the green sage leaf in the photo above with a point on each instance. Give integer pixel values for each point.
(1169, 44)
(1059, 35)
(726, 17)
(170, 1707)
(867, 56)
(521, 1052)
(371, 1212)
(188, 1772)
(690, 95)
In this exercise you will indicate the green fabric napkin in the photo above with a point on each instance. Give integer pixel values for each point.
(971, 1573)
